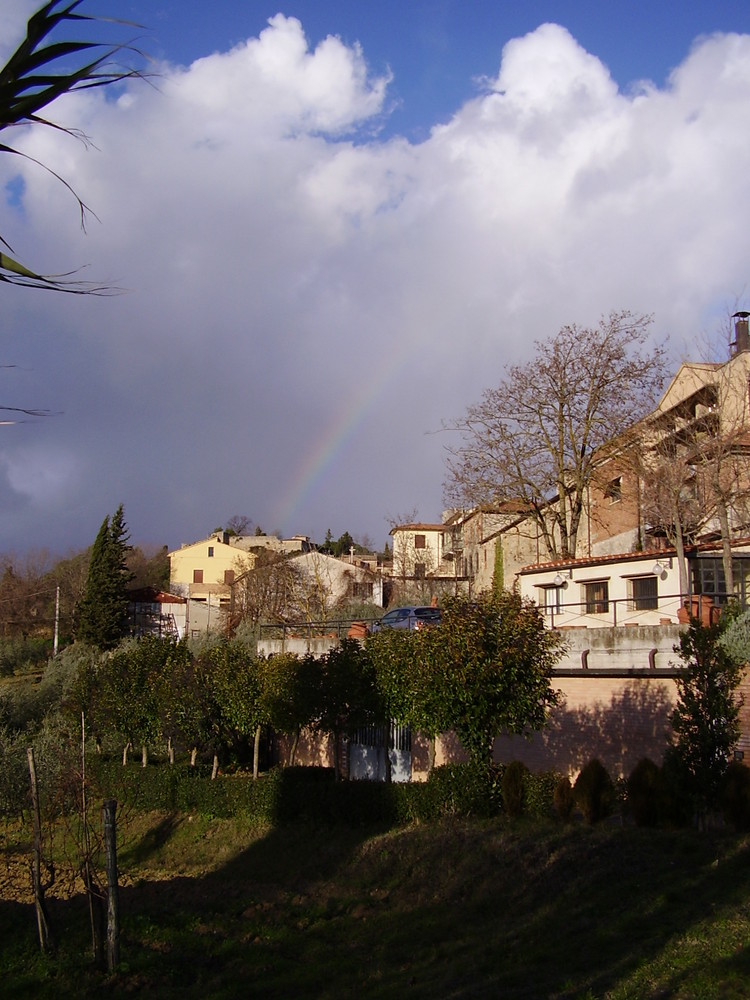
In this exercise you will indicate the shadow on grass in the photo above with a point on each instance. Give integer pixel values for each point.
(450, 910)
(153, 840)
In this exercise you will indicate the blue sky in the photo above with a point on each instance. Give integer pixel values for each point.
(437, 49)
(333, 225)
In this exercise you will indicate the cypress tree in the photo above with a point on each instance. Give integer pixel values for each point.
(103, 611)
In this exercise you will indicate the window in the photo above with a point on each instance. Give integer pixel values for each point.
(420, 542)
(552, 600)
(210, 551)
(197, 576)
(644, 593)
(613, 490)
(708, 578)
(419, 570)
(362, 590)
(596, 597)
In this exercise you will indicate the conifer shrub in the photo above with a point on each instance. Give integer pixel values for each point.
(645, 792)
(514, 787)
(563, 798)
(677, 804)
(594, 791)
(735, 795)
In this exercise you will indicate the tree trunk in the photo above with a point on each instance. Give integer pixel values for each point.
(170, 750)
(431, 754)
(125, 751)
(336, 756)
(193, 756)
(215, 768)
(96, 913)
(109, 810)
(293, 748)
(42, 918)
(726, 547)
(681, 561)
(388, 765)
(256, 753)
(144, 756)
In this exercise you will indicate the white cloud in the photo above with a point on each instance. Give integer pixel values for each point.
(306, 301)
(276, 82)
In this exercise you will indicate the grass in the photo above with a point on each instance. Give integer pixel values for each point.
(218, 909)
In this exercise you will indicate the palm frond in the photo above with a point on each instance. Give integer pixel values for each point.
(37, 73)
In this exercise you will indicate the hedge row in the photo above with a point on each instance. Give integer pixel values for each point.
(291, 794)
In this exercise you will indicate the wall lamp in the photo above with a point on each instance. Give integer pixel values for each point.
(562, 581)
(659, 569)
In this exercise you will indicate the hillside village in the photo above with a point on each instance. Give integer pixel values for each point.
(641, 568)
(629, 567)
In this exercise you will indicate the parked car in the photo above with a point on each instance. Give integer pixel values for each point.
(408, 618)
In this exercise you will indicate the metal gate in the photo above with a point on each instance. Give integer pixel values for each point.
(372, 746)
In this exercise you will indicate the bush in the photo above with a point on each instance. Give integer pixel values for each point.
(18, 656)
(645, 792)
(282, 795)
(735, 795)
(514, 787)
(540, 793)
(594, 791)
(563, 798)
(460, 790)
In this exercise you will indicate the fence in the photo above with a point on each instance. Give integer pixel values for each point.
(333, 629)
(666, 609)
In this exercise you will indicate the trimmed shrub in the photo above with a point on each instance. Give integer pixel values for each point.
(564, 799)
(734, 795)
(282, 795)
(514, 787)
(645, 792)
(594, 791)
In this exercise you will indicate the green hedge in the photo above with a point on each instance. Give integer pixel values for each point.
(293, 794)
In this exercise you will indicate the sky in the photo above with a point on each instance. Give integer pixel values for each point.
(332, 225)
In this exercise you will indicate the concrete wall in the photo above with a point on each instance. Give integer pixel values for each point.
(612, 649)
(300, 645)
(624, 648)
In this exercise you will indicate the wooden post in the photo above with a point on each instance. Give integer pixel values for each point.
(109, 810)
(42, 919)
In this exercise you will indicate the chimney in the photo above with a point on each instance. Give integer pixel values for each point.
(741, 333)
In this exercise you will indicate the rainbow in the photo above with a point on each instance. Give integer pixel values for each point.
(336, 436)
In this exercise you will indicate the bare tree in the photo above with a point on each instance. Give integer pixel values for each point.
(262, 589)
(691, 457)
(404, 553)
(315, 596)
(536, 438)
(27, 595)
(671, 502)
(238, 524)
